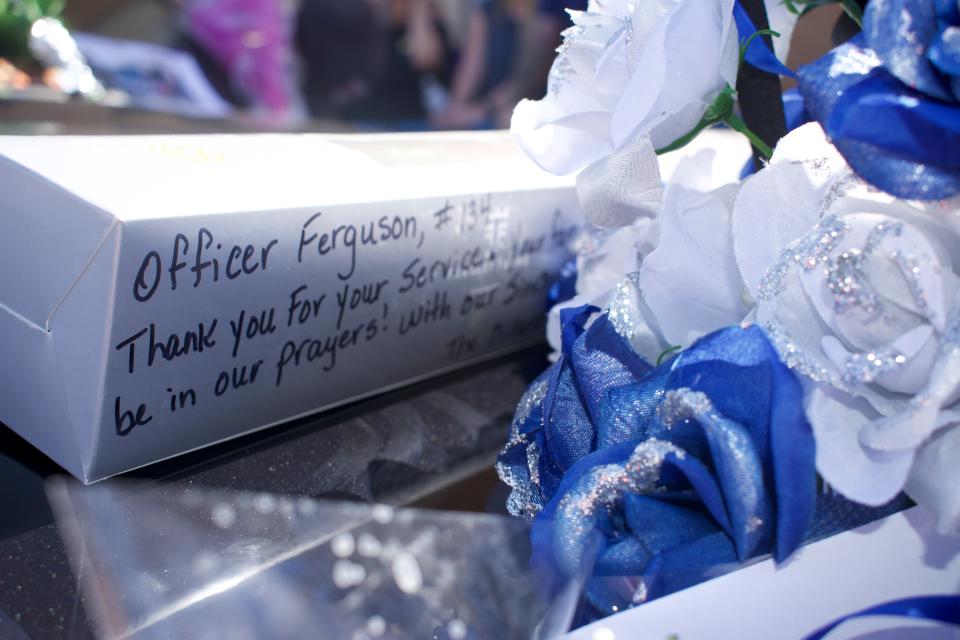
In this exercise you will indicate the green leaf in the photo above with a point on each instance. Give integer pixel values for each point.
(852, 9)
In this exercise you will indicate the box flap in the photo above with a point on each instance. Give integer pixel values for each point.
(43, 260)
(900, 556)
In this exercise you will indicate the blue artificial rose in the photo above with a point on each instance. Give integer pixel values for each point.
(666, 475)
(890, 98)
(553, 427)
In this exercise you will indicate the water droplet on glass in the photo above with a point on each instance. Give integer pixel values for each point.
(457, 629)
(346, 574)
(306, 506)
(205, 563)
(376, 626)
(406, 572)
(265, 503)
(342, 545)
(223, 515)
(368, 546)
(382, 513)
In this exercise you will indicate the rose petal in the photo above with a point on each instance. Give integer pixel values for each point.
(775, 207)
(558, 149)
(712, 160)
(690, 280)
(686, 85)
(635, 321)
(873, 322)
(554, 338)
(907, 429)
(932, 481)
(619, 253)
(862, 475)
(920, 348)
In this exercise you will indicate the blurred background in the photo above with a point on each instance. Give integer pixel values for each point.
(99, 66)
(362, 65)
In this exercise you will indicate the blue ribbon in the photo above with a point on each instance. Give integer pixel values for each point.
(938, 608)
(758, 54)
(889, 99)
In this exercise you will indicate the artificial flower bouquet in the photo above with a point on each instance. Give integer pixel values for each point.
(745, 368)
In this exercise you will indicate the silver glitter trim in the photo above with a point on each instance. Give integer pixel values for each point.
(864, 368)
(559, 72)
(524, 500)
(533, 463)
(911, 270)
(679, 405)
(808, 252)
(845, 276)
(857, 61)
(647, 459)
(879, 233)
(625, 29)
(622, 311)
(753, 524)
(845, 280)
(842, 185)
(601, 488)
(818, 166)
(532, 398)
(795, 358)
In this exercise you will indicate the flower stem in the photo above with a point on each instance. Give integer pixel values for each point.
(716, 112)
(734, 122)
(683, 140)
(755, 34)
(667, 353)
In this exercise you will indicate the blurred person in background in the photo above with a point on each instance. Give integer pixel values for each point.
(485, 83)
(343, 47)
(506, 57)
(544, 38)
(363, 61)
(416, 49)
(386, 64)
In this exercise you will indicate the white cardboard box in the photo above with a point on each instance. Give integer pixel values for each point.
(160, 294)
(900, 556)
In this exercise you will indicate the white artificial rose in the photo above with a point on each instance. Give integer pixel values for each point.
(627, 69)
(666, 280)
(859, 293)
